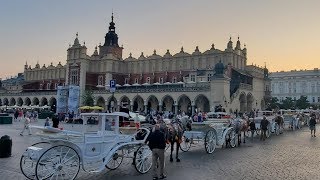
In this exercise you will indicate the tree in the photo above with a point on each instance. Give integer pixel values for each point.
(288, 103)
(302, 103)
(274, 103)
(87, 98)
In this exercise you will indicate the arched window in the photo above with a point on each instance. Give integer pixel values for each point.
(100, 80)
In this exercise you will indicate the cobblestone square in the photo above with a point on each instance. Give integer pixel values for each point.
(292, 155)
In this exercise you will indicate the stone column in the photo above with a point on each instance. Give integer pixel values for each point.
(145, 109)
(131, 106)
(176, 109)
(160, 107)
(192, 109)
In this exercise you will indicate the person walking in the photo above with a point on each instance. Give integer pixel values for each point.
(55, 121)
(264, 127)
(252, 127)
(157, 143)
(312, 125)
(47, 123)
(26, 126)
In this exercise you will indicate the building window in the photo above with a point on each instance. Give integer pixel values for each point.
(40, 87)
(48, 86)
(55, 85)
(74, 77)
(193, 78)
(313, 99)
(148, 80)
(100, 80)
(209, 77)
(318, 99)
(281, 87)
(161, 80)
(174, 80)
(126, 81)
(136, 80)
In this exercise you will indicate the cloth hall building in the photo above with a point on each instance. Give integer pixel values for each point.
(176, 82)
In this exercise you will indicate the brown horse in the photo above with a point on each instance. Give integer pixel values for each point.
(240, 125)
(174, 132)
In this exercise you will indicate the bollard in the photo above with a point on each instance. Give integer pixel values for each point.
(5, 146)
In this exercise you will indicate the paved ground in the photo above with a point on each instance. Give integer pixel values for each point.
(292, 155)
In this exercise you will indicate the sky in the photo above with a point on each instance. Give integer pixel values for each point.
(283, 33)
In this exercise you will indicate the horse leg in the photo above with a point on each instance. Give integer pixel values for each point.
(239, 138)
(244, 137)
(171, 159)
(177, 150)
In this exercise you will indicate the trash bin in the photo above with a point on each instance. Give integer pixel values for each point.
(5, 146)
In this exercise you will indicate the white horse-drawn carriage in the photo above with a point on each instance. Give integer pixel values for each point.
(100, 145)
(214, 132)
(273, 127)
(291, 119)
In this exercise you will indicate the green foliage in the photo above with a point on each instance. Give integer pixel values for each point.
(302, 103)
(87, 98)
(288, 103)
(274, 103)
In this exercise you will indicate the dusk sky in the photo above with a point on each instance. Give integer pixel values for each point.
(283, 33)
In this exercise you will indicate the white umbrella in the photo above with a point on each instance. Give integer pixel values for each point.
(156, 83)
(167, 83)
(126, 85)
(118, 85)
(45, 107)
(145, 84)
(180, 82)
(135, 84)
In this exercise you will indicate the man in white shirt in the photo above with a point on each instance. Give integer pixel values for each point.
(26, 126)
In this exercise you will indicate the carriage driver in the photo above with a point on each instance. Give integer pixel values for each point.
(264, 127)
(157, 143)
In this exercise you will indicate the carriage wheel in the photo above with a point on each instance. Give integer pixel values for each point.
(143, 159)
(27, 165)
(210, 141)
(58, 162)
(231, 136)
(185, 144)
(115, 160)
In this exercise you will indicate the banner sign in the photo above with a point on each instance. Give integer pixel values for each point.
(74, 99)
(62, 99)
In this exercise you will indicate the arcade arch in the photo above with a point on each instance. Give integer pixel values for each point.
(12, 102)
(124, 101)
(19, 101)
(35, 101)
(167, 103)
(27, 101)
(243, 102)
(202, 103)
(138, 104)
(44, 101)
(184, 104)
(112, 104)
(101, 102)
(53, 104)
(6, 102)
(152, 103)
(250, 100)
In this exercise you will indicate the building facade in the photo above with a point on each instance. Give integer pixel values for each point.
(295, 84)
(179, 82)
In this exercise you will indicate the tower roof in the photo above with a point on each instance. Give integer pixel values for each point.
(111, 38)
